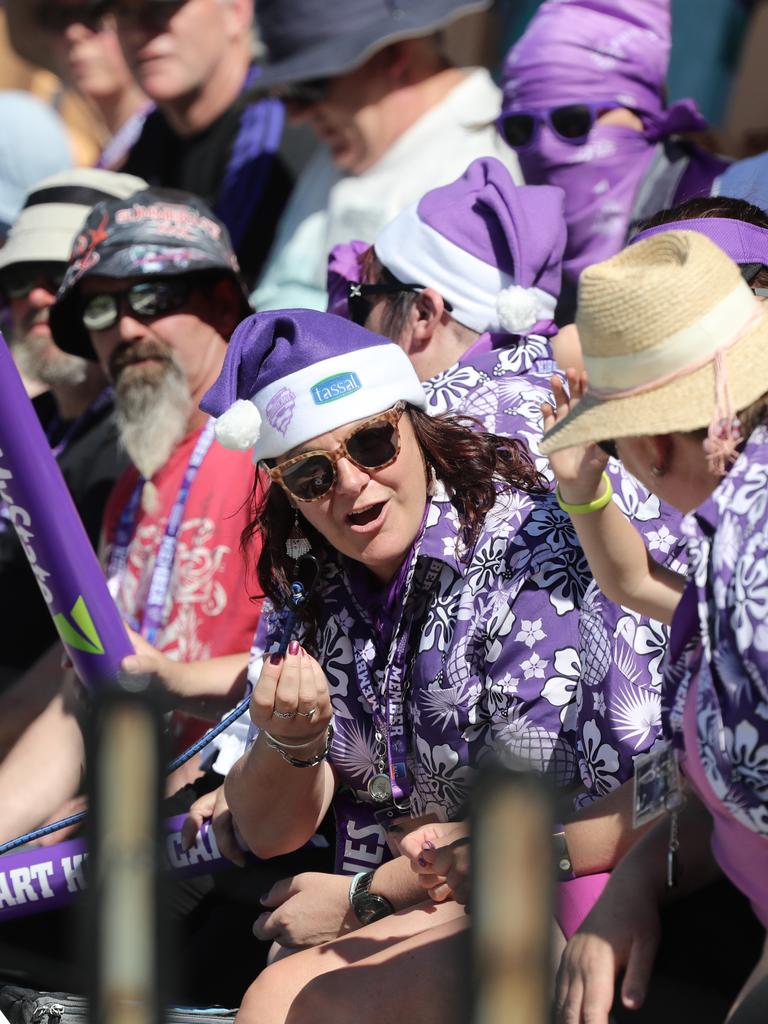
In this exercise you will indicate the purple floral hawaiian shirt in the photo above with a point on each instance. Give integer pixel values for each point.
(727, 648)
(493, 661)
(502, 381)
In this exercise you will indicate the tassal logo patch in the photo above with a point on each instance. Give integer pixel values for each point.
(332, 388)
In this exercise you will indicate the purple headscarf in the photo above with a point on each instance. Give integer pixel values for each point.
(577, 51)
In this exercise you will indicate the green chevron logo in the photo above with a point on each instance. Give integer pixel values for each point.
(86, 639)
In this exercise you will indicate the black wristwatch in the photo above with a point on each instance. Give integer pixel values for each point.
(368, 906)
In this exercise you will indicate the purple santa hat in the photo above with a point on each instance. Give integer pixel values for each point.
(492, 248)
(576, 51)
(344, 265)
(292, 374)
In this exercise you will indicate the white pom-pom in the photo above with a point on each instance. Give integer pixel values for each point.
(239, 427)
(518, 309)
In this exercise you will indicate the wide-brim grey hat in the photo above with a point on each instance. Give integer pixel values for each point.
(307, 39)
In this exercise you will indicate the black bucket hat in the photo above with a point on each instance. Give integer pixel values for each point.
(308, 39)
(154, 232)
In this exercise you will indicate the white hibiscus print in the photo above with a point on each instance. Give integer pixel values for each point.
(534, 667)
(530, 632)
(600, 761)
(661, 540)
(560, 690)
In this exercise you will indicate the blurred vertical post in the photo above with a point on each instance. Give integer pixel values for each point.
(125, 919)
(513, 892)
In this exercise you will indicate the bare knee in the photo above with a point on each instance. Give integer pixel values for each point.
(267, 999)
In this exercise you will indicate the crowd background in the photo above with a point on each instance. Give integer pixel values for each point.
(270, 195)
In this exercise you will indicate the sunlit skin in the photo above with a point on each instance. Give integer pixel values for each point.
(192, 60)
(367, 109)
(383, 544)
(195, 335)
(684, 480)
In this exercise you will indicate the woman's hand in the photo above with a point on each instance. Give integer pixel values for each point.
(291, 699)
(621, 931)
(440, 856)
(213, 805)
(579, 470)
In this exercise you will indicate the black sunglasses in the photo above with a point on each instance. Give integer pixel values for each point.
(304, 94)
(358, 297)
(146, 300)
(19, 279)
(55, 17)
(153, 17)
(609, 447)
(571, 123)
(375, 444)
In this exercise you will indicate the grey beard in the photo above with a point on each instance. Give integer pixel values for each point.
(152, 417)
(37, 359)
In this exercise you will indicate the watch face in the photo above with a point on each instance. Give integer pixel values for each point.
(370, 907)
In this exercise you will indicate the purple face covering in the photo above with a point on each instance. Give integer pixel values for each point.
(600, 180)
(579, 51)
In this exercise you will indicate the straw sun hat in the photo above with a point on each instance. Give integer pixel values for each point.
(673, 340)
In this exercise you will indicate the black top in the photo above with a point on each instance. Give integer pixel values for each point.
(198, 164)
(90, 464)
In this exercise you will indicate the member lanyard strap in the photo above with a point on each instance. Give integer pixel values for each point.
(77, 425)
(154, 608)
(390, 718)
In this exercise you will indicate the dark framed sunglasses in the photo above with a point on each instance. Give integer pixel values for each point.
(153, 17)
(19, 279)
(146, 300)
(609, 447)
(375, 444)
(57, 17)
(306, 93)
(760, 293)
(571, 123)
(358, 297)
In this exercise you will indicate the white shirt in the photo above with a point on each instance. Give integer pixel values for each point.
(328, 206)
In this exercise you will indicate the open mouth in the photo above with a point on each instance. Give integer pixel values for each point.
(366, 516)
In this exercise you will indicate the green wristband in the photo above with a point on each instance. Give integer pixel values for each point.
(588, 506)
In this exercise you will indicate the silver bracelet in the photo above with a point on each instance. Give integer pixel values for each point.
(297, 762)
(275, 742)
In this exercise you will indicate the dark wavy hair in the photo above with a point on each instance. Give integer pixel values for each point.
(473, 465)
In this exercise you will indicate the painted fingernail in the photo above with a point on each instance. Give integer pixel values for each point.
(421, 862)
(293, 647)
(428, 845)
(275, 659)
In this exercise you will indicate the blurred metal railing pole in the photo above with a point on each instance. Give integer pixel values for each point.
(513, 891)
(126, 861)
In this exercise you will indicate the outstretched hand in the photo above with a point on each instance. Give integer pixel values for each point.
(578, 469)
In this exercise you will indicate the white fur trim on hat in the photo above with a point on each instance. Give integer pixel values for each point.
(239, 427)
(520, 308)
(417, 254)
(322, 397)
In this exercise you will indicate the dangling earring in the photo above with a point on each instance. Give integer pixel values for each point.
(296, 543)
(657, 470)
(431, 481)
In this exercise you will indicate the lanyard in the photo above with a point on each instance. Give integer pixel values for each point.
(77, 425)
(153, 614)
(389, 707)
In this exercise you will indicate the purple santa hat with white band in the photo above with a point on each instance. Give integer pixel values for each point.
(292, 374)
(492, 248)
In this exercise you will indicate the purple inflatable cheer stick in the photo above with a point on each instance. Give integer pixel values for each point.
(45, 878)
(41, 510)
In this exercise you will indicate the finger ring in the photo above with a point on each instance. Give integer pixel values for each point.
(307, 714)
(284, 714)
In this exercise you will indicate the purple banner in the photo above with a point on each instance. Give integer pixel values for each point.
(49, 877)
(45, 518)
